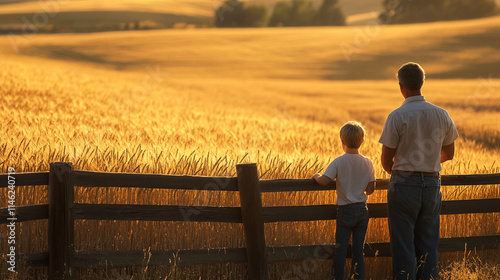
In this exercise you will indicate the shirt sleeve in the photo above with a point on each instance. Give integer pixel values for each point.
(390, 135)
(452, 133)
(331, 170)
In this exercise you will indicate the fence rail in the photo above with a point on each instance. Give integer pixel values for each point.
(61, 211)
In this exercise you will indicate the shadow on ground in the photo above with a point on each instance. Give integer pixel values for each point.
(383, 66)
(70, 53)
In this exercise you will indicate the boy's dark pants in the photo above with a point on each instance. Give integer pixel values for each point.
(414, 204)
(351, 218)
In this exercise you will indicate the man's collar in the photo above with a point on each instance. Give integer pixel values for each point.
(414, 99)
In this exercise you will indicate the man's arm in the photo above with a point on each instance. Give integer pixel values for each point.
(447, 152)
(370, 188)
(322, 179)
(388, 158)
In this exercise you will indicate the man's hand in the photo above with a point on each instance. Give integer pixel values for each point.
(388, 158)
(447, 152)
(322, 179)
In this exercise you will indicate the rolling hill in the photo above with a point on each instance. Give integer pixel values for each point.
(94, 15)
(182, 7)
(460, 49)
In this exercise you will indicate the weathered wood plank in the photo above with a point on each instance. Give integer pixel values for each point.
(455, 244)
(26, 213)
(274, 254)
(490, 205)
(139, 180)
(39, 259)
(291, 185)
(321, 251)
(61, 221)
(382, 184)
(225, 255)
(380, 249)
(157, 213)
(25, 179)
(159, 258)
(376, 210)
(470, 179)
(110, 179)
(229, 214)
(269, 214)
(253, 223)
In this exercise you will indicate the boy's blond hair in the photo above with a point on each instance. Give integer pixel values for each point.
(353, 134)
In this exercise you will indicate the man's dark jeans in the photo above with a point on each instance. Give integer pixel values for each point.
(414, 204)
(351, 218)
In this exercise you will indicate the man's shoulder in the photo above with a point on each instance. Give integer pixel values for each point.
(396, 112)
(436, 106)
(438, 109)
(417, 106)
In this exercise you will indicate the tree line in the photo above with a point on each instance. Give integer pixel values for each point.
(411, 11)
(235, 13)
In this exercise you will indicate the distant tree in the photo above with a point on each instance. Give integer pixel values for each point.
(302, 13)
(409, 11)
(234, 13)
(294, 13)
(330, 14)
(255, 16)
(281, 14)
(466, 9)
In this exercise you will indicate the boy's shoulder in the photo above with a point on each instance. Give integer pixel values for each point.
(367, 159)
(349, 157)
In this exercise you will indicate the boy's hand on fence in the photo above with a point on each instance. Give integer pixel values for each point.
(322, 179)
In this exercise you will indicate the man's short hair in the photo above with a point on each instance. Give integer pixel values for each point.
(353, 134)
(411, 76)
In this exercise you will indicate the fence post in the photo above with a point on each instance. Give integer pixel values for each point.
(61, 221)
(253, 223)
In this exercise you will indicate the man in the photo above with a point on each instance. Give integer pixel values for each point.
(417, 137)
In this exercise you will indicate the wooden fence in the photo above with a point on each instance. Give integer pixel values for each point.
(61, 211)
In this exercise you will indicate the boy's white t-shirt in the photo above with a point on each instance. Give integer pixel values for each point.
(353, 173)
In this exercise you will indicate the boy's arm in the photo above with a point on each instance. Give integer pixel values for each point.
(322, 179)
(370, 188)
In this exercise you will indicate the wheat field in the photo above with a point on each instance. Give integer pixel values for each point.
(198, 102)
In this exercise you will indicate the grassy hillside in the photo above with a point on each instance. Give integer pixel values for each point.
(183, 7)
(93, 15)
(200, 101)
(301, 53)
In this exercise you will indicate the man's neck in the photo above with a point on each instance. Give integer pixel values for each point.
(409, 94)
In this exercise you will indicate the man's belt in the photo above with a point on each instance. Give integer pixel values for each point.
(419, 173)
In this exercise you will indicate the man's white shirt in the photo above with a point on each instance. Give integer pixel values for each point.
(418, 130)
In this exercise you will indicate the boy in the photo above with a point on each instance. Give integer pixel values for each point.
(355, 176)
